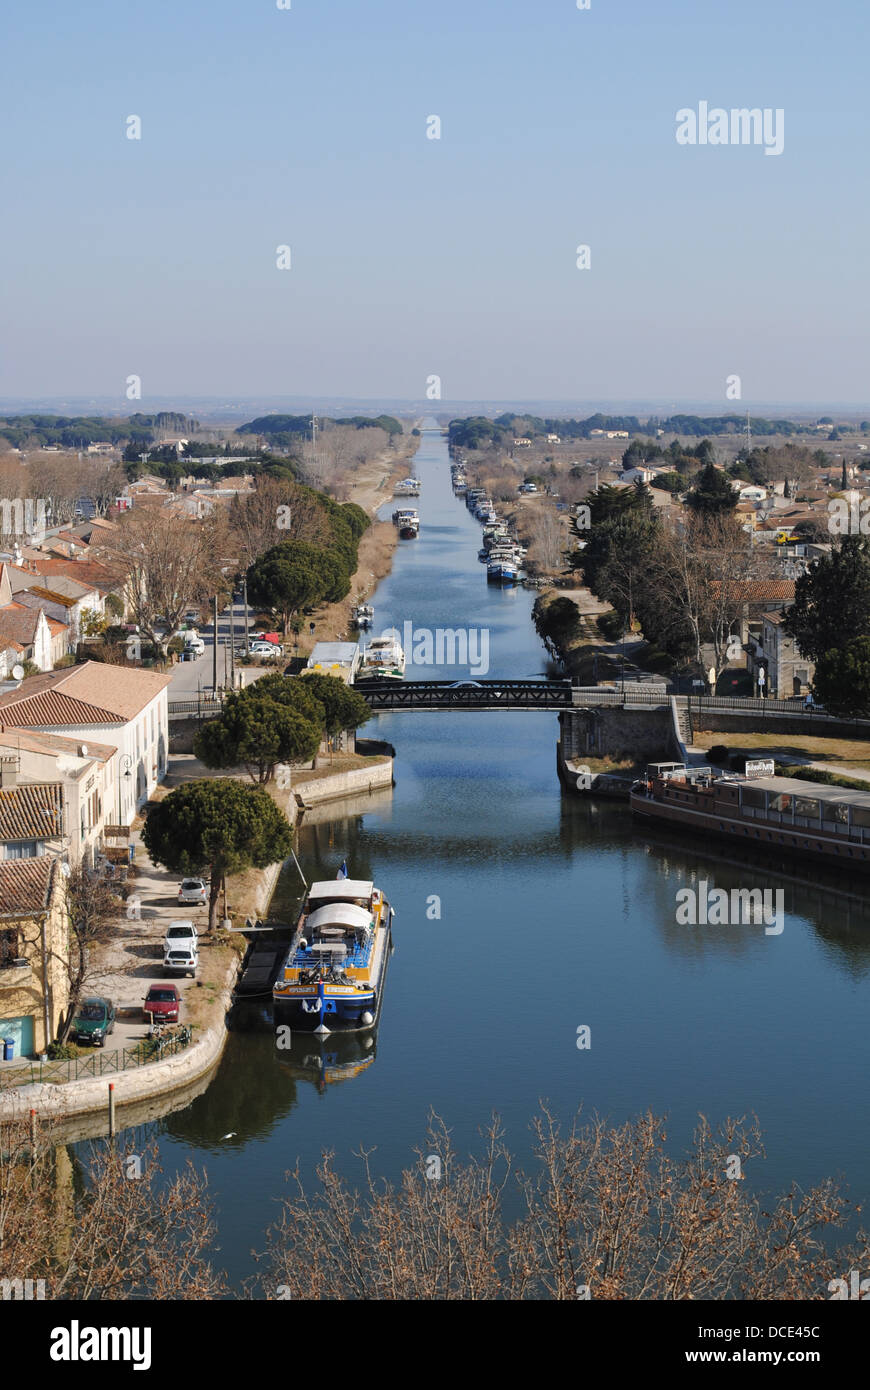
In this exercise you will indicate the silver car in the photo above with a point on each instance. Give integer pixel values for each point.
(193, 890)
(180, 949)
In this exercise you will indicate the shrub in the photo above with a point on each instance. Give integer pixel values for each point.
(610, 625)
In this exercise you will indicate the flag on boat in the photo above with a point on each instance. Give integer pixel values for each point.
(342, 873)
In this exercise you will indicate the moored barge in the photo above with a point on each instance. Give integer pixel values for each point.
(812, 819)
(333, 973)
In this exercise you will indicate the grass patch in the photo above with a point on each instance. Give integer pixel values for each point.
(817, 774)
(807, 746)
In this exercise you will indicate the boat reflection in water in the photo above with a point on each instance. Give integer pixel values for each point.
(325, 1060)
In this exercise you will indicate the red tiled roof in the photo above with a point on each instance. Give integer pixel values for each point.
(753, 590)
(25, 885)
(32, 811)
(51, 596)
(91, 573)
(92, 693)
(18, 623)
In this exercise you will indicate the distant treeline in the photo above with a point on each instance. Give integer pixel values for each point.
(167, 453)
(164, 463)
(285, 430)
(78, 431)
(479, 432)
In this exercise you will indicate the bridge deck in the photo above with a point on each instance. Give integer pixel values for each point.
(479, 695)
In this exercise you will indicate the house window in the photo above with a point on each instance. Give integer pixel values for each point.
(23, 849)
(10, 946)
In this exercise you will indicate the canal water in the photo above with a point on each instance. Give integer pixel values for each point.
(522, 915)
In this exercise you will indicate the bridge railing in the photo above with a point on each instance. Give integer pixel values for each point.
(507, 694)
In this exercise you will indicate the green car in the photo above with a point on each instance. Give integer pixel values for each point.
(94, 1021)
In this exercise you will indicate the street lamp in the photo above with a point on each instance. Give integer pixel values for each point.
(125, 762)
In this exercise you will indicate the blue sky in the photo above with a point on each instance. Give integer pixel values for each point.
(412, 257)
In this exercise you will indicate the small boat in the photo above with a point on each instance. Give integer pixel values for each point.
(362, 616)
(493, 538)
(408, 487)
(408, 522)
(501, 572)
(382, 660)
(333, 972)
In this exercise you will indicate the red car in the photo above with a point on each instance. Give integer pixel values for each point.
(162, 1002)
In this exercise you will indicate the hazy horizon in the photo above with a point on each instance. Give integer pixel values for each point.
(412, 258)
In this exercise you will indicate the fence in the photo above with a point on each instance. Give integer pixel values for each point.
(203, 707)
(725, 704)
(95, 1064)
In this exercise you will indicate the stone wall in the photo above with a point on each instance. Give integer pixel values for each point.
(644, 735)
(74, 1097)
(714, 721)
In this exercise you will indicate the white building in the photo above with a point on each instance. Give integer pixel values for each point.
(115, 705)
(81, 774)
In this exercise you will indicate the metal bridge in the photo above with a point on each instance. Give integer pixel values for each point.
(467, 694)
(559, 695)
(562, 695)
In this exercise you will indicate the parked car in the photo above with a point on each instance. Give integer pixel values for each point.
(180, 949)
(162, 1001)
(193, 890)
(194, 644)
(94, 1021)
(264, 649)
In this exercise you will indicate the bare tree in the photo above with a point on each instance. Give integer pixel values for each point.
(103, 1225)
(60, 480)
(609, 1213)
(93, 913)
(168, 564)
(548, 539)
(102, 481)
(275, 511)
(701, 569)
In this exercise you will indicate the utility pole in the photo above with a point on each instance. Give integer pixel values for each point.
(245, 597)
(232, 641)
(214, 667)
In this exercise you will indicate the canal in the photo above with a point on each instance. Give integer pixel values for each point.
(523, 914)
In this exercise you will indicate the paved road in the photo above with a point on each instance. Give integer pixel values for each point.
(137, 953)
(188, 677)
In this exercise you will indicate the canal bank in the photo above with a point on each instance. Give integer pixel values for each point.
(249, 896)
